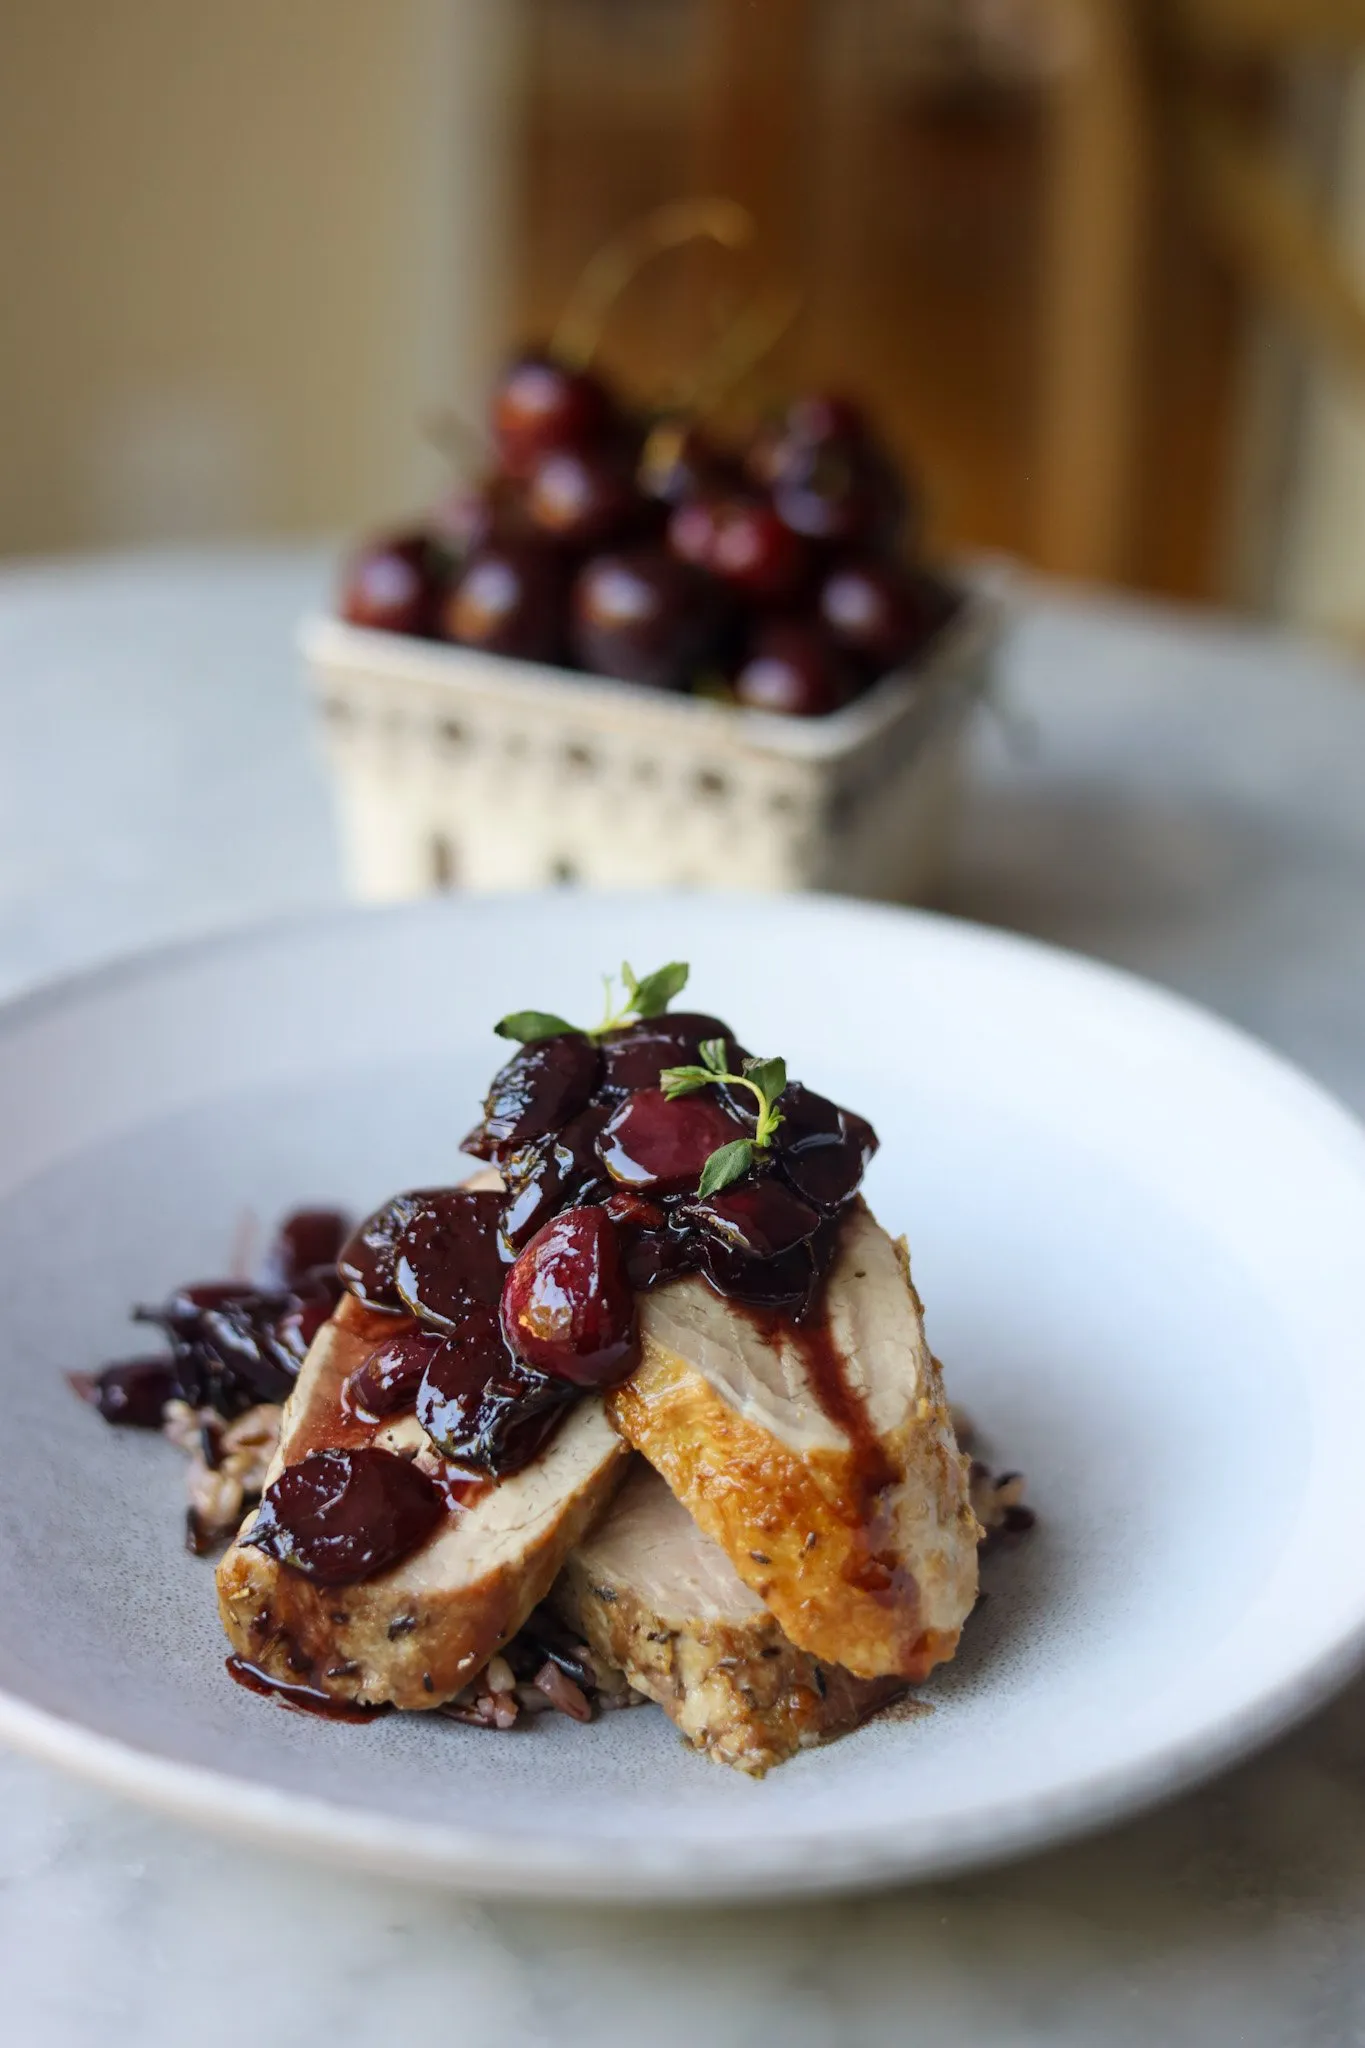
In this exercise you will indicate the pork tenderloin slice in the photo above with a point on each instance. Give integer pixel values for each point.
(822, 1462)
(653, 1596)
(412, 1636)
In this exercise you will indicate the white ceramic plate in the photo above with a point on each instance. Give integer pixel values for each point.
(1139, 1239)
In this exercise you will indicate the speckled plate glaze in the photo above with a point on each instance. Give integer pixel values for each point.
(1139, 1239)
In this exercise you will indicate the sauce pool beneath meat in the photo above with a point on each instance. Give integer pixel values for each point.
(300, 1699)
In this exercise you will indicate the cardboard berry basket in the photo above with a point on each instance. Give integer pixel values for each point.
(459, 769)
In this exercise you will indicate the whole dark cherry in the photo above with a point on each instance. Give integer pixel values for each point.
(392, 584)
(883, 616)
(342, 1516)
(507, 599)
(583, 498)
(757, 554)
(828, 478)
(744, 543)
(678, 463)
(658, 1146)
(540, 404)
(567, 1306)
(641, 616)
(470, 516)
(793, 668)
(865, 608)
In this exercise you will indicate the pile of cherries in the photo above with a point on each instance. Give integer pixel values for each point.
(232, 1343)
(515, 1300)
(504, 1305)
(774, 575)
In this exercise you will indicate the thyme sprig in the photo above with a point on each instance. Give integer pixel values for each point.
(649, 997)
(765, 1081)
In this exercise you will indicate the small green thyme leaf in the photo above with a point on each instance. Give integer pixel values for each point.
(676, 1081)
(713, 1054)
(647, 998)
(769, 1075)
(765, 1081)
(652, 996)
(728, 1163)
(529, 1025)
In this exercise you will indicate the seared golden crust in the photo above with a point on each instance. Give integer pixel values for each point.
(868, 1565)
(736, 1690)
(824, 1573)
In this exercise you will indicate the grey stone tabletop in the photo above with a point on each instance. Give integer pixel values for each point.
(1174, 794)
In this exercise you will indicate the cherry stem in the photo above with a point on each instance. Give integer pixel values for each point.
(613, 1018)
(607, 274)
(754, 334)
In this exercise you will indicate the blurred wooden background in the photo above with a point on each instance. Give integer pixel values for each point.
(961, 211)
(1097, 264)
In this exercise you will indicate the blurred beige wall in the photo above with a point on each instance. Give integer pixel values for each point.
(245, 248)
(1322, 580)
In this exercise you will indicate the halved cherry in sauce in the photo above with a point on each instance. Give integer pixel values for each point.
(366, 1260)
(549, 1174)
(133, 1392)
(567, 1307)
(386, 1382)
(629, 1211)
(786, 1283)
(654, 1145)
(307, 1240)
(635, 1055)
(342, 1516)
(539, 1090)
(651, 1251)
(259, 1341)
(654, 1257)
(822, 1150)
(233, 1344)
(482, 1407)
(448, 1255)
(759, 1219)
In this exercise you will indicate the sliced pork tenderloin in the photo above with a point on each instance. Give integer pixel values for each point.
(654, 1597)
(414, 1635)
(820, 1459)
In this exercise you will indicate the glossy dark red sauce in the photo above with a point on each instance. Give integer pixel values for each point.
(299, 1699)
(827, 1373)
